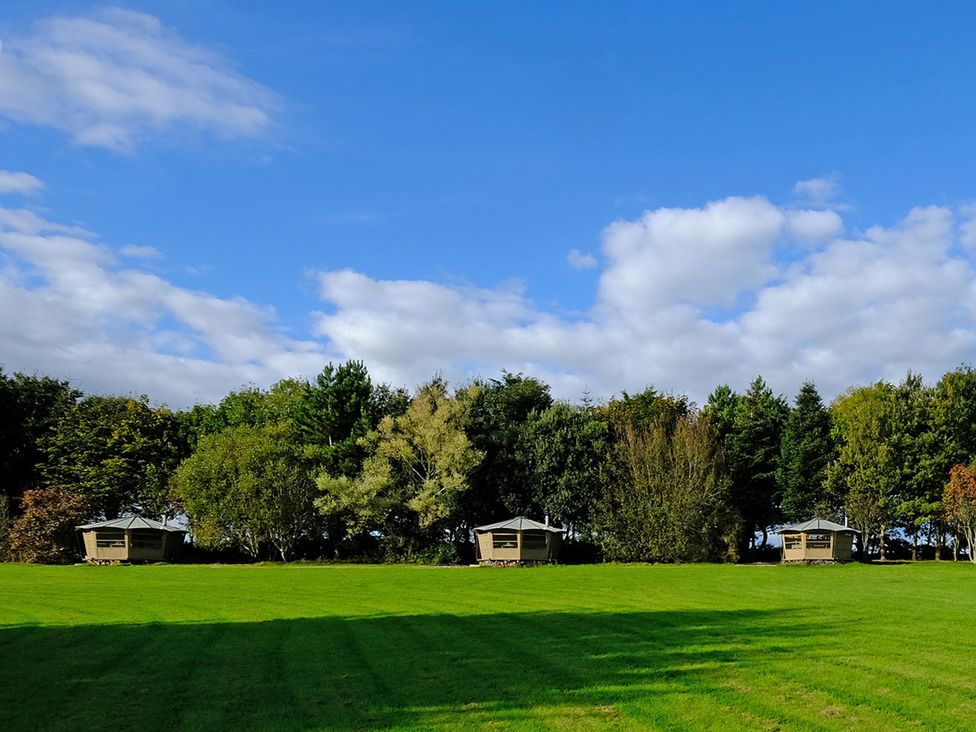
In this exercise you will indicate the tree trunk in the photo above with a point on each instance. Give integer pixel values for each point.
(915, 546)
(881, 542)
(863, 536)
(938, 544)
(955, 548)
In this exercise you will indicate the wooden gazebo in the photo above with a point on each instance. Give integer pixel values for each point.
(131, 539)
(516, 541)
(817, 540)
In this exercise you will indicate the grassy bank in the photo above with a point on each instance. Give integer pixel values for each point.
(200, 647)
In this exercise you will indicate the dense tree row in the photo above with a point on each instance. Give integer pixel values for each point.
(344, 468)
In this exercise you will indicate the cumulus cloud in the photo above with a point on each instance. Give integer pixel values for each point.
(814, 226)
(11, 182)
(580, 261)
(703, 257)
(69, 310)
(114, 77)
(689, 299)
(967, 228)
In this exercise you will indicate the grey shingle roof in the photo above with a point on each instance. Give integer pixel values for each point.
(130, 522)
(519, 523)
(815, 525)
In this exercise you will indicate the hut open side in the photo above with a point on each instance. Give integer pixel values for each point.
(817, 540)
(131, 539)
(517, 540)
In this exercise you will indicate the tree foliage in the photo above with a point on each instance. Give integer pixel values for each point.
(670, 498)
(753, 445)
(865, 471)
(806, 450)
(29, 407)
(408, 477)
(248, 487)
(567, 448)
(335, 414)
(959, 500)
(117, 451)
(501, 484)
(417, 467)
(45, 532)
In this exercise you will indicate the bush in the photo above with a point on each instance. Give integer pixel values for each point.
(45, 534)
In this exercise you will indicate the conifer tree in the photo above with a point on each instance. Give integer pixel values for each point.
(805, 452)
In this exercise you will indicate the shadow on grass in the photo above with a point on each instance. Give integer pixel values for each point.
(423, 671)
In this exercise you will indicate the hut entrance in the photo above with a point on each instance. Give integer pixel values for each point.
(517, 541)
(817, 540)
(131, 539)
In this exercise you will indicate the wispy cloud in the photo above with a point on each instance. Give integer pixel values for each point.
(115, 77)
(818, 191)
(578, 260)
(11, 182)
(140, 252)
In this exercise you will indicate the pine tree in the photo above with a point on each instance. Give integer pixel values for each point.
(805, 452)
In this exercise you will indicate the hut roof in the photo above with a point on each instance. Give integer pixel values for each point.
(130, 522)
(519, 523)
(814, 525)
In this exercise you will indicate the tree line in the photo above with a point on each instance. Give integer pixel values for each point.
(343, 468)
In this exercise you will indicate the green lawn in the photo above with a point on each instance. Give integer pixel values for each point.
(669, 647)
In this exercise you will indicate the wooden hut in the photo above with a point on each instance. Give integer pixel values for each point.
(131, 539)
(518, 540)
(817, 540)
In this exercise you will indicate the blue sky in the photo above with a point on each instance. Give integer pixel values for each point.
(197, 196)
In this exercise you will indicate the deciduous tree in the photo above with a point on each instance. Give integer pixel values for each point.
(670, 498)
(117, 451)
(29, 408)
(419, 464)
(959, 500)
(568, 447)
(247, 487)
(865, 471)
(45, 532)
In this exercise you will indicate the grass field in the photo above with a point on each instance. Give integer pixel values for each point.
(669, 647)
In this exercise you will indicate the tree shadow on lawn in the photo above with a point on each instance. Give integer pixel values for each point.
(377, 672)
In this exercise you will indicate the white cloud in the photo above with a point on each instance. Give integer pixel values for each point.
(116, 76)
(967, 227)
(11, 182)
(847, 312)
(704, 257)
(818, 191)
(580, 261)
(68, 310)
(687, 299)
(814, 226)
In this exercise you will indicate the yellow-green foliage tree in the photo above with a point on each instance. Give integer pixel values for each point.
(417, 466)
(865, 472)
